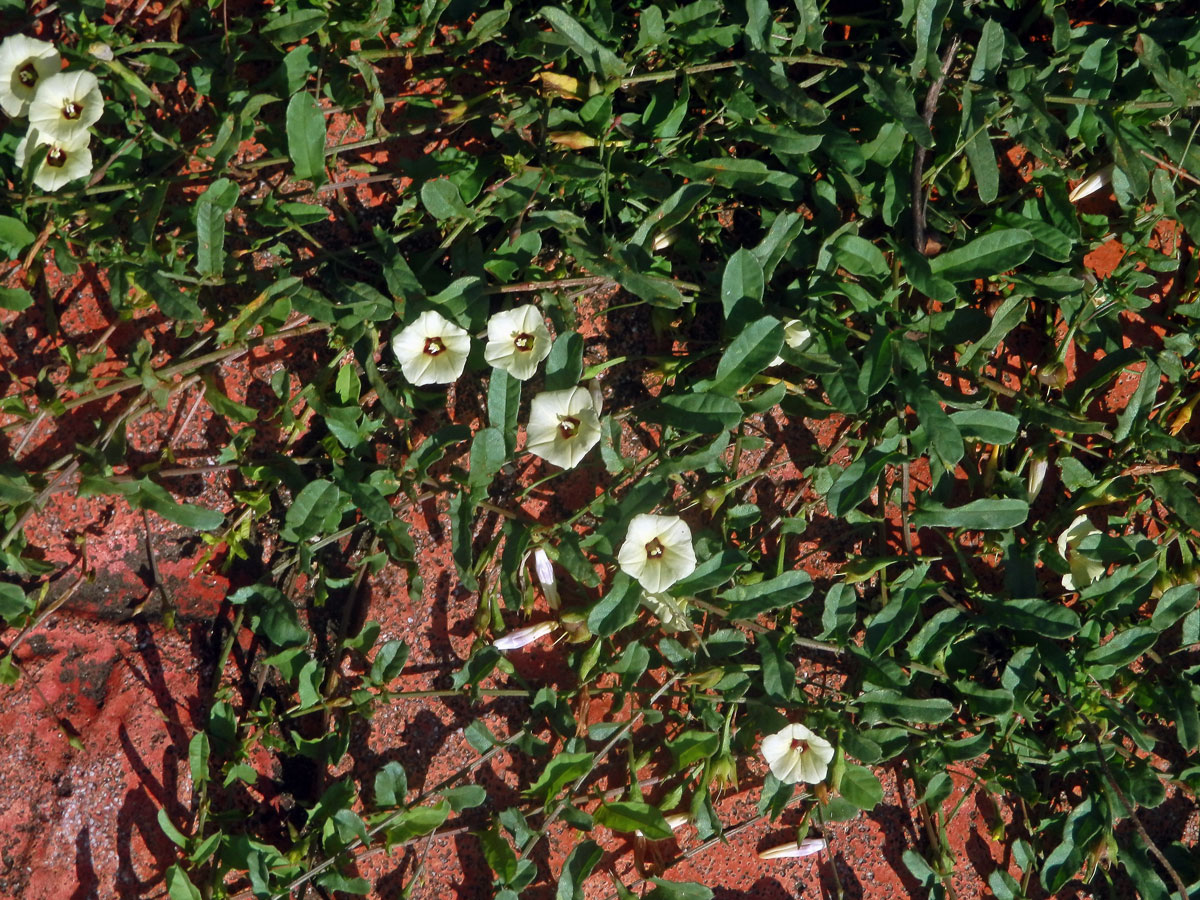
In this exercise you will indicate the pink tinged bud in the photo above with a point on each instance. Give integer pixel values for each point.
(795, 849)
(515, 640)
(544, 569)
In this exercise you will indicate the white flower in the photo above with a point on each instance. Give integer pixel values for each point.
(66, 104)
(24, 62)
(517, 341)
(657, 551)
(544, 570)
(795, 849)
(515, 640)
(796, 754)
(1083, 570)
(669, 611)
(432, 350)
(563, 426)
(795, 335)
(54, 163)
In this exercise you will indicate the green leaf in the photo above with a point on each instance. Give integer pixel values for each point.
(599, 59)
(742, 286)
(310, 512)
(13, 602)
(564, 365)
(839, 613)
(990, 254)
(857, 480)
(704, 413)
(859, 256)
(443, 200)
(616, 608)
(1124, 648)
(978, 515)
(891, 704)
(860, 786)
(15, 299)
(389, 662)
(943, 434)
(748, 354)
(211, 208)
(391, 785)
(671, 212)
(488, 454)
(563, 769)
(292, 26)
(785, 590)
(1175, 603)
(678, 890)
(987, 425)
(693, 746)
(504, 401)
(582, 859)
(155, 498)
(14, 236)
(628, 816)
(462, 524)
(179, 886)
(306, 137)
(1028, 614)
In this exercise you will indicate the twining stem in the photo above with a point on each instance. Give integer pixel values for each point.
(600, 756)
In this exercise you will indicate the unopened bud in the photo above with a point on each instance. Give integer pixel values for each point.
(544, 570)
(557, 85)
(1037, 475)
(597, 395)
(515, 640)
(574, 140)
(795, 849)
(1091, 184)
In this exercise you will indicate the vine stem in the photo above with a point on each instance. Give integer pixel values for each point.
(604, 751)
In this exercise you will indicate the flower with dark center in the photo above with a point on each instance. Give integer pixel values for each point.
(796, 754)
(432, 349)
(657, 551)
(563, 426)
(518, 341)
(24, 63)
(54, 163)
(65, 105)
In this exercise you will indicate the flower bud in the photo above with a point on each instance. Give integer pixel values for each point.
(1091, 184)
(515, 640)
(1037, 475)
(795, 849)
(556, 85)
(544, 569)
(722, 771)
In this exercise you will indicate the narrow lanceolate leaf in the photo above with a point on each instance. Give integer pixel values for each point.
(978, 515)
(989, 254)
(210, 211)
(599, 59)
(306, 136)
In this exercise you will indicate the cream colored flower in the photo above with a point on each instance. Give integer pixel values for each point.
(24, 62)
(795, 335)
(432, 349)
(670, 612)
(563, 426)
(54, 163)
(522, 637)
(657, 551)
(66, 104)
(796, 754)
(795, 849)
(518, 341)
(1083, 570)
